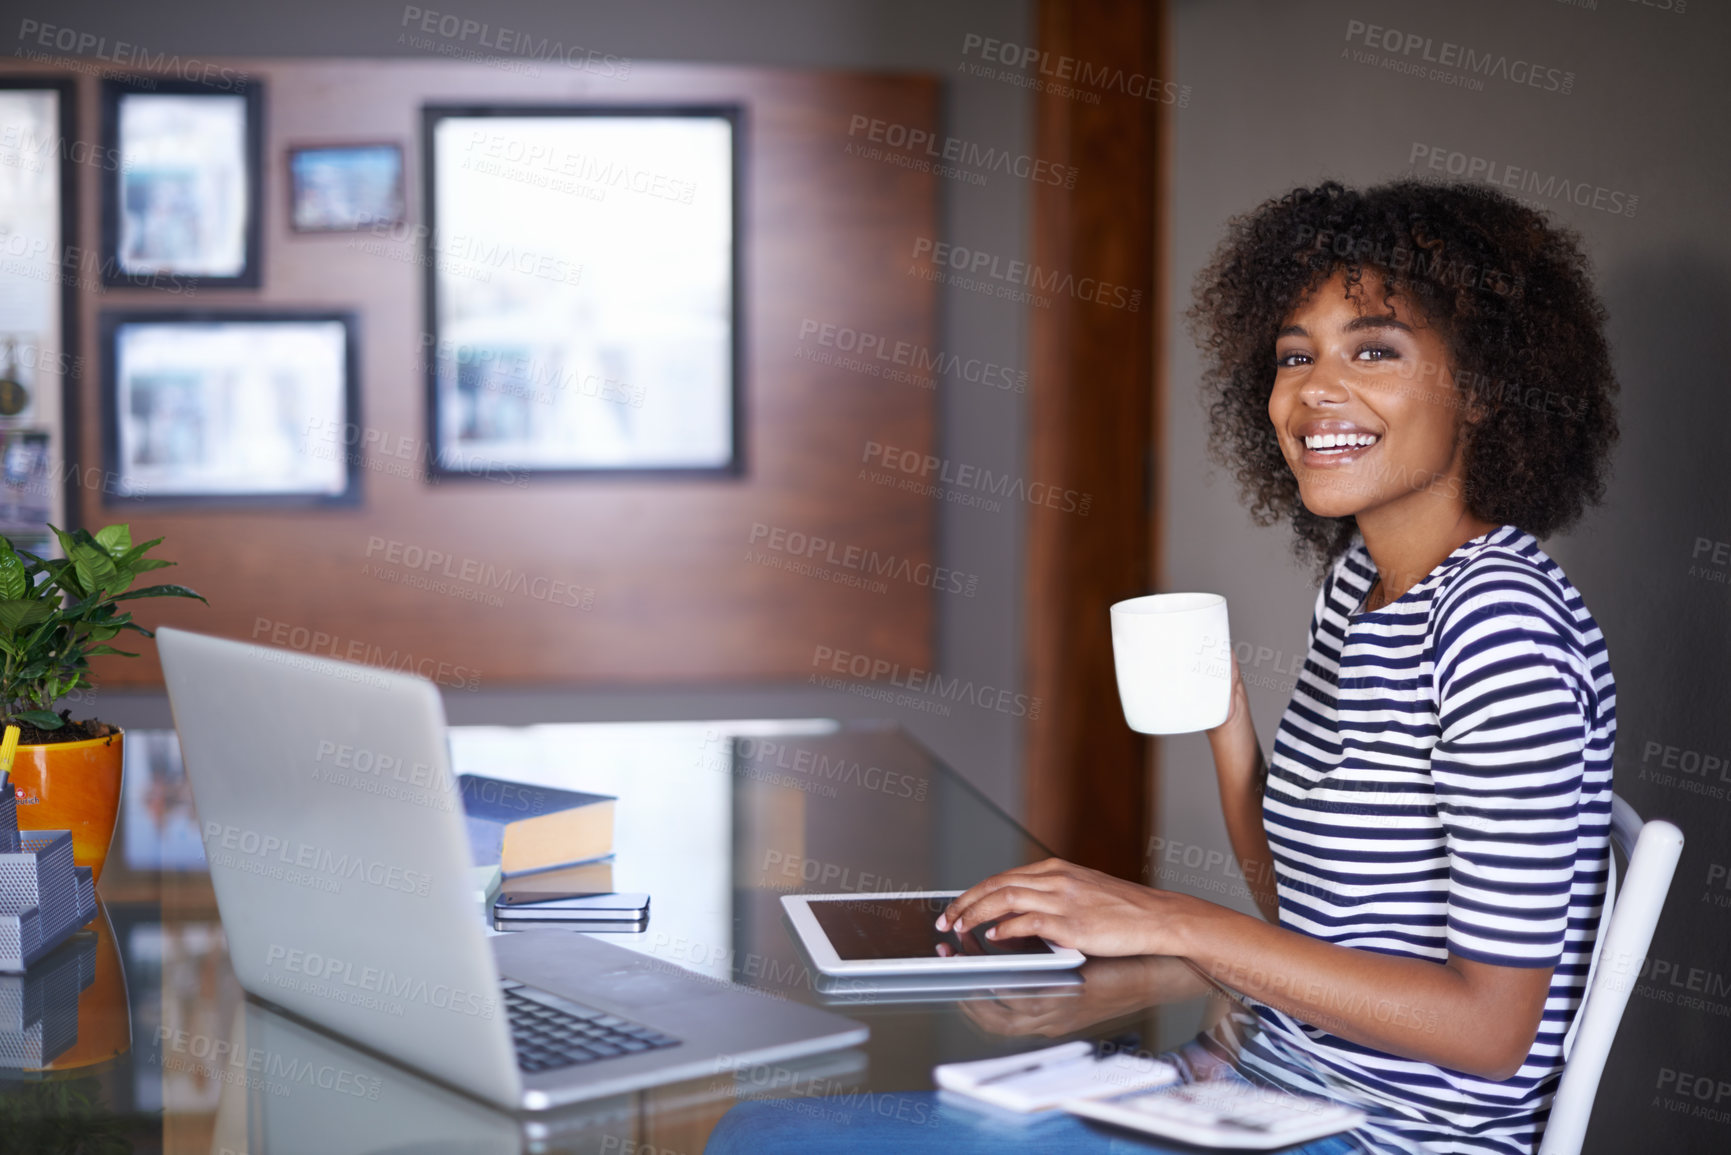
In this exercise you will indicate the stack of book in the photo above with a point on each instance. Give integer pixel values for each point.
(526, 829)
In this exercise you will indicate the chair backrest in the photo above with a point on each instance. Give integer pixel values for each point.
(1625, 931)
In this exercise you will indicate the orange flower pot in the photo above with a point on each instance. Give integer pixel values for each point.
(72, 786)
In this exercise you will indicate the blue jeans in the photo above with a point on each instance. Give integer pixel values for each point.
(924, 1123)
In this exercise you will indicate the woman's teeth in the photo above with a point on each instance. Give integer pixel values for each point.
(1324, 442)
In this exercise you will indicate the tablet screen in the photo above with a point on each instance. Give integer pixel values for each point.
(892, 928)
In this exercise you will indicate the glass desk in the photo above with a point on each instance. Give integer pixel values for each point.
(125, 1039)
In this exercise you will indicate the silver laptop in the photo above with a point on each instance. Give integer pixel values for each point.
(334, 832)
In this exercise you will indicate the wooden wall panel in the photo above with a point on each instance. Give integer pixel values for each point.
(1094, 404)
(827, 235)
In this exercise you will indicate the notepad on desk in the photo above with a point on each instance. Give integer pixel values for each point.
(1041, 1080)
(526, 828)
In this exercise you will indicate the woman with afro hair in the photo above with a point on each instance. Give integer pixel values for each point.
(1415, 377)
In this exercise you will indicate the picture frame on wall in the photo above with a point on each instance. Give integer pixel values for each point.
(230, 408)
(181, 200)
(583, 290)
(40, 369)
(338, 188)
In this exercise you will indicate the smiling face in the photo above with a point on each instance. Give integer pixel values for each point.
(1366, 408)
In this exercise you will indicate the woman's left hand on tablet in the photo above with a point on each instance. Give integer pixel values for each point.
(1072, 906)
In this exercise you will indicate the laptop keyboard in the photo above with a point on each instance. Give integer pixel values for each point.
(551, 1032)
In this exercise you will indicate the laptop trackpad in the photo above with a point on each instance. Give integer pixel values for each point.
(576, 966)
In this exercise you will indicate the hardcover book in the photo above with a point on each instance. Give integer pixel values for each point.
(526, 828)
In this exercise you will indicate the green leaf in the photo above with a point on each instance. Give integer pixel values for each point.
(14, 581)
(132, 555)
(98, 651)
(16, 613)
(96, 570)
(62, 571)
(41, 719)
(116, 539)
(164, 591)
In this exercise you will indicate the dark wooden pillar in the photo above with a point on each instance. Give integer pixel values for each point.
(1094, 416)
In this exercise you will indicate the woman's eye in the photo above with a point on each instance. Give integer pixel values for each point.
(1287, 360)
(1377, 353)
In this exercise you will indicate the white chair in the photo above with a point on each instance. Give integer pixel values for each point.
(1625, 932)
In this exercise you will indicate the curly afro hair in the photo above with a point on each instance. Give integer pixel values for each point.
(1510, 294)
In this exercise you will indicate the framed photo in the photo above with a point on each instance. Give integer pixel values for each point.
(180, 203)
(344, 187)
(229, 408)
(39, 370)
(25, 489)
(583, 290)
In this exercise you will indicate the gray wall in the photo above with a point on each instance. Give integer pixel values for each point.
(979, 638)
(1276, 104)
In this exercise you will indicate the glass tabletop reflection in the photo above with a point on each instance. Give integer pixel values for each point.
(135, 1035)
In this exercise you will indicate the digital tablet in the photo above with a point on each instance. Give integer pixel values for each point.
(888, 990)
(897, 934)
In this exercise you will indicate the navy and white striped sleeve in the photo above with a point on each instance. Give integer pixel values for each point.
(1513, 715)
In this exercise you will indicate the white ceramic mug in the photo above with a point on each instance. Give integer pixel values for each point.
(1174, 658)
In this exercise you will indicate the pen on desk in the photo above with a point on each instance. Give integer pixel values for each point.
(1027, 1069)
(1101, 1048)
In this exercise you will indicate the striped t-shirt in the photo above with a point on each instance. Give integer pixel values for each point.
(1441, 786)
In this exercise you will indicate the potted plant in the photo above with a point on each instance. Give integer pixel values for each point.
(55, 615)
